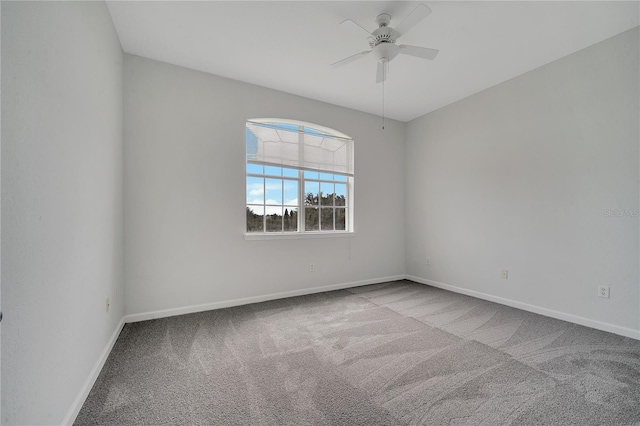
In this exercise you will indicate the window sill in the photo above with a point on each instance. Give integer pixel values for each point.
(296, 235)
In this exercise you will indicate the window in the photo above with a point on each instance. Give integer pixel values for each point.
(299, 178)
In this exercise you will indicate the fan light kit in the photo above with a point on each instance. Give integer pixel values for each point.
(382, 42)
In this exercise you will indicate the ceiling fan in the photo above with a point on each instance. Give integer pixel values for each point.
(383, 41)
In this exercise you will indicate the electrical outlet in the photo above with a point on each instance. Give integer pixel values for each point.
(505, 274)
(107, 305)
(603, 291)
(428, 261)
(312, 267)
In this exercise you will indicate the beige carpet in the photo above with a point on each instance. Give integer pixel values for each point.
(397, 353)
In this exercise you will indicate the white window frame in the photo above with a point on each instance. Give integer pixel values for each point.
(301, 232)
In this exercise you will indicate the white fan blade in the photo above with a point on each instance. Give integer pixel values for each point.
(355, 28)
(420, 52)
(418, 14)
(382, 71)
(350, 59)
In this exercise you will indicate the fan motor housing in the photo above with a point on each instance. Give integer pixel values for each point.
(383, 34)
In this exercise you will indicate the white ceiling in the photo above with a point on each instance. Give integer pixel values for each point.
(288, 46)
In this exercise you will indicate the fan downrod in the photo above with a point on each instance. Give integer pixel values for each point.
(383, 19)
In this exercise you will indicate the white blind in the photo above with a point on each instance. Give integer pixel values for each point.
(285, 145)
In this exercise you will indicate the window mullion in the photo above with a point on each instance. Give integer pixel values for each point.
(333, 207)
(301, 201)
(264, 204)
(301, 212)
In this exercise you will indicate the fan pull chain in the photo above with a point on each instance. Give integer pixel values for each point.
(384, 78)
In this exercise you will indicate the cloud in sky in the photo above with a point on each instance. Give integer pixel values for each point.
(275, 190)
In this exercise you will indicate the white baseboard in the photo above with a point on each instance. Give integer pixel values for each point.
(611, 328)
(254, 299)
(88, 384)
(86, 388)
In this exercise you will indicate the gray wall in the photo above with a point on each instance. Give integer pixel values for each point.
(539, 176)
(185, 197)
(62, 209)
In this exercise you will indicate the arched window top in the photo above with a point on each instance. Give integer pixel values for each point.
(300, 145)
(307, 127)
